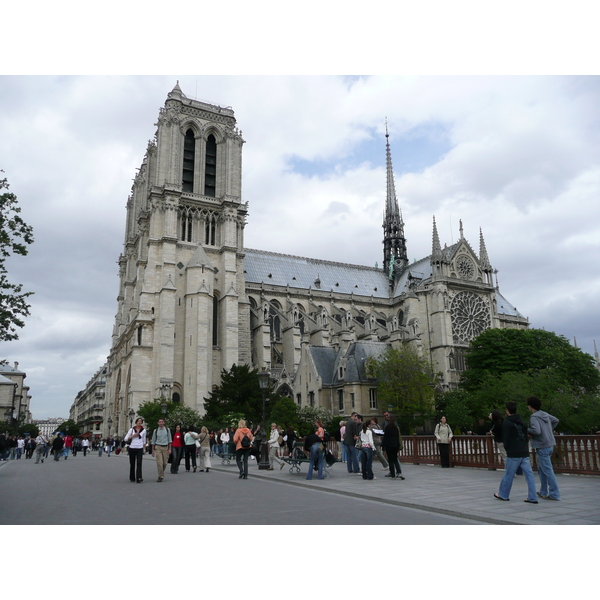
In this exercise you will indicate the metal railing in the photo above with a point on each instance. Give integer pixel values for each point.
(572, 453)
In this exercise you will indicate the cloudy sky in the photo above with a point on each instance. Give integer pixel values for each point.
(517, 156)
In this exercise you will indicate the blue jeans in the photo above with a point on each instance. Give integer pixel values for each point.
(366, 462)
(317, 456)
(511, 465)
(352, 458)
(548, 483)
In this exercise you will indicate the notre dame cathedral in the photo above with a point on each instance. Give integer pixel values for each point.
(193, 300)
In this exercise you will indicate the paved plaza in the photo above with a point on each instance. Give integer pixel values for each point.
(96, 490)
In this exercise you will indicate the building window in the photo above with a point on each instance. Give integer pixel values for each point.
(210, 230)
(373, 398)
(189, 153)
(186, 228)
(299, 399)
(210, 171)
(311, 398)
(341, 400)
(352, 400)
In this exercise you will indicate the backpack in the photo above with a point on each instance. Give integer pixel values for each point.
(326, 436)
(246, 441)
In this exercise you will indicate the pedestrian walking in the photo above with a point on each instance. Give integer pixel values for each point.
(161, 448)
(243, 441)
(541, 429)
(274, 447)
(57, 446)
(85, 444)
(514, 438)
(189, 449)
(136, 438)
(40, 448)
(176, 449)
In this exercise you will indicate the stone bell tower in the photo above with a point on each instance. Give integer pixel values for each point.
(181, 300)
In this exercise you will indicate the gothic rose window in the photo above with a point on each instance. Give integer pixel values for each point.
(465, 267)
(470, 316)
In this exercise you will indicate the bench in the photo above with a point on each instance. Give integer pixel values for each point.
(298, 457)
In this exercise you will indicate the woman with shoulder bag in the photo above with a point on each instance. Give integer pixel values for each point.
(136, 438)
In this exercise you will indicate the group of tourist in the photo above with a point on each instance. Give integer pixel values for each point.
(360, 441)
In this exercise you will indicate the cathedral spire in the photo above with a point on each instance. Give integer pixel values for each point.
(436, 250)
(394, 242)
(483, 255)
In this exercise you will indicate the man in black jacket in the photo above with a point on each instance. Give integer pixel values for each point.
(514, 437)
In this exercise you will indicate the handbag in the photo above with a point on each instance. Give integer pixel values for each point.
(358, 443)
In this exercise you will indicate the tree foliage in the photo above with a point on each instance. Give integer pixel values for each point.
(15, 236)
(405, 381)
(285, 413)
(498, 351)
(151, 411)
(238, 393)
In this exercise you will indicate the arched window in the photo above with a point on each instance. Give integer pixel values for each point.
(210, 171)
(186, 228)
(189, 153)
(210, 230)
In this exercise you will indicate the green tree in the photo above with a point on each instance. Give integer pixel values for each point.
(498, 351)
(183, 415)
(578, 411)
(151, 411)
(284, 412)
(405, 381)
(455, 405)
(15, 236)
(238, 393)
(69, 426)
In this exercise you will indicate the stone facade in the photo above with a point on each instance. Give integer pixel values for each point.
(193, 300)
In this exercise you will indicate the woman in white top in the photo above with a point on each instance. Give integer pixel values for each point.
(136, 438)
(366, 451)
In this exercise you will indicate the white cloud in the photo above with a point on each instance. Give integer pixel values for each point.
(516, 156)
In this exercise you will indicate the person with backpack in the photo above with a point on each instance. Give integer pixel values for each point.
(243, 441)
(514, 438)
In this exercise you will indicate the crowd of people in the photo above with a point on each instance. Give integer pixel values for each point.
(358, 442)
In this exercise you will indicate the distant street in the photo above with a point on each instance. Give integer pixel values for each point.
(96, 491)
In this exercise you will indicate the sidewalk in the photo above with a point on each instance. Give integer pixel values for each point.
(459, 491)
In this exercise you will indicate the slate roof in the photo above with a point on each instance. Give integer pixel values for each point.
(324, 358)
(299, 272)
(272, 268)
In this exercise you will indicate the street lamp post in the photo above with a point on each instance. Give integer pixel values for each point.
(131, 415)
(109, 422)
(263, 381)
